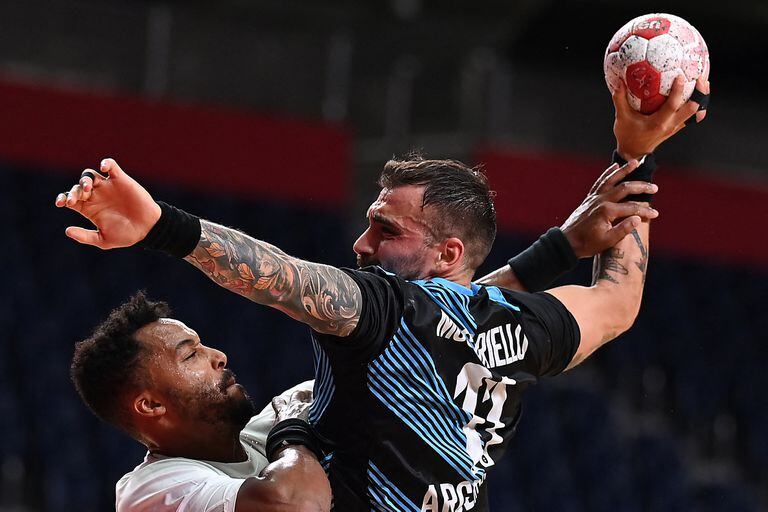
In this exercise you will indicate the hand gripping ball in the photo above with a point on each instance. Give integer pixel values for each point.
(648, 53)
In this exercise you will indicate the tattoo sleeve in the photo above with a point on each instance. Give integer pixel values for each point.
(321, 296)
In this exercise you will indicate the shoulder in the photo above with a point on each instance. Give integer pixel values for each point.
(164, 484)
(551, 329)
(540, 308)
(374, 274)
(383, 297)
(440, 285)
(537, 303)
(155, 474)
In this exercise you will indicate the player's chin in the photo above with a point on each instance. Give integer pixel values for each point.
(366, 262)
(241, 409)
(235, 390)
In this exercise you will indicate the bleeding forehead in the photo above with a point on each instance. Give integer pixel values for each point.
(165, 333)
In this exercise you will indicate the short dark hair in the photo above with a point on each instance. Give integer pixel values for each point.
(108, 364)
(460, 195)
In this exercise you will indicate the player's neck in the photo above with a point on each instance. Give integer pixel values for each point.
(459, 277)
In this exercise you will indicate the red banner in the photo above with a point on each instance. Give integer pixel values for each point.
(700, 217)
(215, 149)
(229, 151)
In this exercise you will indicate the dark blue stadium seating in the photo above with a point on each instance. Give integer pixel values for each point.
(701, 327)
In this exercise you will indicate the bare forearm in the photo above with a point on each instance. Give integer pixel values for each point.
(610, 305)
(625, 264)
(295, 481)
(504, 277)
(319, 295)
(619, 273)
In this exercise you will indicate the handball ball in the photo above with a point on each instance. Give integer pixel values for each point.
(648, 53)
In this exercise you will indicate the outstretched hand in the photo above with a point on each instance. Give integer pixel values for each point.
(593, 227)
(121, 209)
(639, 134)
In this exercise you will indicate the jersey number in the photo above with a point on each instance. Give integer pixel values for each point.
(475, 380)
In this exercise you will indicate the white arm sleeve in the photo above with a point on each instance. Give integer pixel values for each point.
(178, 486)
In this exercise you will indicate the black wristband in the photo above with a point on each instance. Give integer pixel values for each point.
(291, 432)
(644, 172)
(542, 263)
(176, 232)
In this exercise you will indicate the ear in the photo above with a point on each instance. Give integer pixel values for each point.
(146, 405)
(451, 254)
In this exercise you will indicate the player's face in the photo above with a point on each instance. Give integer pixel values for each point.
(192, 378)
(398, 237)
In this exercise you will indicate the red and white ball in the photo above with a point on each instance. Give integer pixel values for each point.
(648, 53)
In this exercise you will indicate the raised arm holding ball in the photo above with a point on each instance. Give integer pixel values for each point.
(429, 365)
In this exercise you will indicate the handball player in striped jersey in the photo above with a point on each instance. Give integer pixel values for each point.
(419, 369)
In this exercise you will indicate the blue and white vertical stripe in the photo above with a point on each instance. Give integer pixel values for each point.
(405, 380)
(384, 495)
(324, 385)
(454, 303)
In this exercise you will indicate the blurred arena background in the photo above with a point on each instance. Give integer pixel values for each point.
(276, 115)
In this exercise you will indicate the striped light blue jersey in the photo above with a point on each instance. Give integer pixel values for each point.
(420, 401)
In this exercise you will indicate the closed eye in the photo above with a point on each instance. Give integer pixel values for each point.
(389, 233)
(190, 356)
(388, 228)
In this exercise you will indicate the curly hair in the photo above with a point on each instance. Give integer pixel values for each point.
(460, 195)
(108, 364)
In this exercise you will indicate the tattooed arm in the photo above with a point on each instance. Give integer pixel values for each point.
(592, 227)
(321, 296)
(325, 298)
(609, 307)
